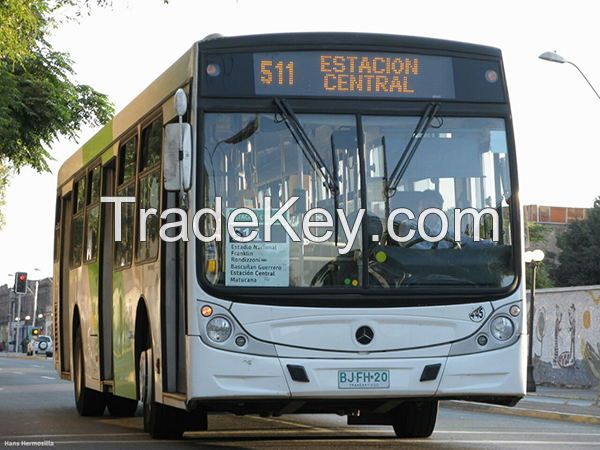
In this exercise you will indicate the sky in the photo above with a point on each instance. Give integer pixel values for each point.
(120, 50)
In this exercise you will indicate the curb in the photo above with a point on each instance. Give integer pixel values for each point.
(531, 397)
(524, 412)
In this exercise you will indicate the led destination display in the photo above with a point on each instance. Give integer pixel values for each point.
(353, 74)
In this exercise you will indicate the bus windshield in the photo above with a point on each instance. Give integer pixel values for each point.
(460, 165)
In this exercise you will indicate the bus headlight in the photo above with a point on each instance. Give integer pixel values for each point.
(219, 329)
(502, 328)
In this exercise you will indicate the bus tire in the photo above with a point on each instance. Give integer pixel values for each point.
(415, 419)
(121, 406)
(161, 421)
(88, 401)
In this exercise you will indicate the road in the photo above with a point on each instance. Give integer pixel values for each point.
(35, 406)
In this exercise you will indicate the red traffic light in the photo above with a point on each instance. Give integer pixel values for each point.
(21, 282)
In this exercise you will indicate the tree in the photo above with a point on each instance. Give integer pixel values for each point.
(4, 177)
(39, 100)
(21, 25)
(579, 264)
(39, 103)
(537, 236)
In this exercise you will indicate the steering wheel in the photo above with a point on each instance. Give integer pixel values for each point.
(455, 244)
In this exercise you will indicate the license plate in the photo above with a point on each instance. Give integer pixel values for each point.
(363, 379)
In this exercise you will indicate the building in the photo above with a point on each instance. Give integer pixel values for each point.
(10, 328)
(555, 220)
(554, 215)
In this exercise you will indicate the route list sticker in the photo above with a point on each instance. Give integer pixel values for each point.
(257, 263)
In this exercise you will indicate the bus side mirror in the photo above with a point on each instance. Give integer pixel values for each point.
(174, 168)
(177, 154)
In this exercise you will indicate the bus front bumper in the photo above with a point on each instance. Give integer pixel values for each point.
(216, 374)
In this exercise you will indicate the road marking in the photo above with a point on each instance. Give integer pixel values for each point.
(265, 433)
(47, 378)
(291, 422)
(545, 433)
(71, 435)
(16, 372)
(381, 429)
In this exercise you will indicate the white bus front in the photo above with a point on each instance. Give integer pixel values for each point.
(362, 315)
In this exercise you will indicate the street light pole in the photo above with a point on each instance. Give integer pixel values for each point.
(533, 258)
(530, 379)
(555, 57)
(35, 300)
(18, 323)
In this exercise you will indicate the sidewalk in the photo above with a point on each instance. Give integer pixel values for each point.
(574, 405)
(20, 355)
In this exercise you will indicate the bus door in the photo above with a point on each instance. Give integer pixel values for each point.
(173, 307)
(65, 328)
(106, 267)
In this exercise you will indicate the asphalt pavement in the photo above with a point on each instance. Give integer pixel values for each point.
(37, 411)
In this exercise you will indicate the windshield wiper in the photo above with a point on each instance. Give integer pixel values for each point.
(310, 153)
(410, 149)
(306, 145)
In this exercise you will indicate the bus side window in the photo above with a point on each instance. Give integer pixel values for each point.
(57, 226)
(77, 223)
(149, 189)
(126, 188)
(92, 215)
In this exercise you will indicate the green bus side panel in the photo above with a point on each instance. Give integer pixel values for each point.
(123, 337)
(93, 285)
(97, 143)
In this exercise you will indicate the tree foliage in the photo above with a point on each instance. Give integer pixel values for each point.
(21, 25)
(537, 237)
(4, 177)
(39, 98)
(579, 261)
(39, 103)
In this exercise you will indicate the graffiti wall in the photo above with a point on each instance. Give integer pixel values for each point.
(566, 336)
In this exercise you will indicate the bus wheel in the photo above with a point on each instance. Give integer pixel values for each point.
(415, 419)
(88, 401)
(161, 421)
(121, 406)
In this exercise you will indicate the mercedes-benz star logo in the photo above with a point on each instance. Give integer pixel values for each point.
(364, 335)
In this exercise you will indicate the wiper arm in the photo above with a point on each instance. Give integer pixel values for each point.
(306, 145)
(410, 149)
(310, 153)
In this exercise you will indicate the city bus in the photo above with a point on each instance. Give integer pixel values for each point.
(362, 315)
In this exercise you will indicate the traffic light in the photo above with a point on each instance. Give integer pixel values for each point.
(35, 331)
(21, 283)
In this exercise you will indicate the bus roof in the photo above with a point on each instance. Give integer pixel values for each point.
(337, 39)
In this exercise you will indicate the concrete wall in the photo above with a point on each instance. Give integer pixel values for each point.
(566, 336)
